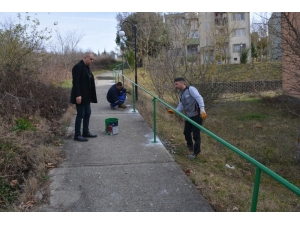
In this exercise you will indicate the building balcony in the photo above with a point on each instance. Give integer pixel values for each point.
(207, 48)
(221, 18)
(191, 15)
(221, 21)
(194, 41)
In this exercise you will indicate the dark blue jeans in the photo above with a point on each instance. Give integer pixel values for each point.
(189, 129)
(83, 113)
(122, 98)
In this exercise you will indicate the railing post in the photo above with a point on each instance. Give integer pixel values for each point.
(256, 189)
(118, 72)
(114, 73)
(154, 119)
(133, 97)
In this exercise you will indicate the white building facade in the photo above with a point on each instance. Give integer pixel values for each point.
(218, 37)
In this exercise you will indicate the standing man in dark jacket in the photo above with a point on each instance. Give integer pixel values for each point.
(116, 96)
(83, 93)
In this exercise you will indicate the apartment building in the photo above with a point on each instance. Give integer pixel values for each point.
(275, 39)
(215, 36)
(184, 31)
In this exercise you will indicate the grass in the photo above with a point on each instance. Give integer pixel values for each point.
(249, 72)
(254, 124)
(27, 153)
(259, 127)
(252, 116)
(66, 84)
(8, 193)
(23, 124)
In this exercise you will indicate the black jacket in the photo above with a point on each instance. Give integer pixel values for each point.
(83, 85)
(113, 94)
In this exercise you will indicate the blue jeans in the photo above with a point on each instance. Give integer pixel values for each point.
(122, 98)
(83, 113)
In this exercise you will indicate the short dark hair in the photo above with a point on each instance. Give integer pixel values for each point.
(119, 84)
(179, 79)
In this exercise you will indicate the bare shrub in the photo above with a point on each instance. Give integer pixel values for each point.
(27, 157)
(34, 112)
(53, 70)
(102, 62)
(24, 95)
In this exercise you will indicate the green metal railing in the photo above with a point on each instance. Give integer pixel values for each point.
(259, 167)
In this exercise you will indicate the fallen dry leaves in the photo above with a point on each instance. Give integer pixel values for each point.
(188, 172)
(14, 183)
(27, 205)
(50, 165)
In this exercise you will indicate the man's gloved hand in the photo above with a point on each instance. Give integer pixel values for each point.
(203, 114)
(128, 92)
(122, 106)
(170, 111)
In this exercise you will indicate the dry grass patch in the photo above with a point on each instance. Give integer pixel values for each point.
(258, 125)
(26, 156)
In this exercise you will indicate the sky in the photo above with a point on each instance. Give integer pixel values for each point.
(97, 21)
(97, 28)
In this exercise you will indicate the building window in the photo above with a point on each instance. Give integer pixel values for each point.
(238, 16)
(207, 41)
(239, 32)
(206, 26)
(178, 51)
(235, 59)
(194, 24)
(178, 21)
(194, 34)
(192, 49)
(238, 47)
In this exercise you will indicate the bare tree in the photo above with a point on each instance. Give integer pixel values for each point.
(150, 31)
(260, 30)
(219, 39)
(19, 42)
(290, 24)
(68, 40)
(66, 48)
(182, 58)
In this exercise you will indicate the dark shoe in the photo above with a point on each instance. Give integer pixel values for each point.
(193, 156)
(80, 138)
(122, 106)
(89, 135)
(190, 147)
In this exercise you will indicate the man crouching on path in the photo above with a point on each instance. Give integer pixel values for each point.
(116, 96)
(83, 93)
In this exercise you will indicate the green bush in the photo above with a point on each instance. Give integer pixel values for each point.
(22, 125)
(244, 56)
(7, 193)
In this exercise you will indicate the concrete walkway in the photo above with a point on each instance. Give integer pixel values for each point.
(120, 173)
